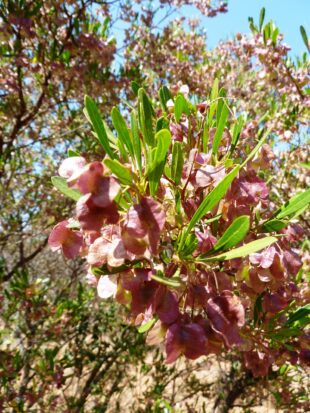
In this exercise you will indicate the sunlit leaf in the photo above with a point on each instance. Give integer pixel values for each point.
(234, 234)
(243, 251)
(61, 184)
(92, 113)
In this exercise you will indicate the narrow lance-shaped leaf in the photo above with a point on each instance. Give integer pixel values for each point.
(236, 133)
(92, 113)
(234, 234)
(146, 113)
(136, 139)
(170, 282)
(221, 103)
(213, 98)
(135, 87)
(119, 170)
(257, 148)
(220, 128)
(164, 96)
(302, 313)
(212, 199)
(163, 139)
(147, 326)
(180, 106)
(61, 184)
(245, 250)
(177, 162)
(296, 203)
(112, 139)
(304, 37)
(121, 128)
(261, 18)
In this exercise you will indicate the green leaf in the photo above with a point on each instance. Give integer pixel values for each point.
(135, 87)
(164, 96)
(245, 250)
(221, 103)
(146, 113)
(261, 18)
(257, 148)
(147, 326)
(304, 37)
(296, 203)
(170, 282)
(92, 113)
(285, 333)
(212, 199)
(304, 165)
(180, 107)
(213, 98)
(236, 133)
(274, 225)
(189, 246)
(61, 184)
(220, 128)
(301, 313)
(122, 173)
(274, 36)
(72, 152)
(163, 139)
(162, 123)
(112, 139)
(177, 162)
(136, 139)
(234, 234)
(121, 128)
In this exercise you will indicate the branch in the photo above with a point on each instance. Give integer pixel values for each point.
(24, 260)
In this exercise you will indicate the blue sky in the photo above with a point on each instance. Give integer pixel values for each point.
(287, 14)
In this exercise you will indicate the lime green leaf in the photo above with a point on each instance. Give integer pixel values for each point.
(72, 152)
(296, 203)
(112, 139)
(212, 199)
(164, 96)
(261, 18)
(304, 37)
(147, 326)
(220, 128)
(274, 225)
(146, 113)
(136, 139)
(213, 98)
(177, 162)
(61, 184)
(304, 165)
(119, 170)
(245, 250)
(170, 282)
(274, 36)
(93, 115)
(121, 128)
(234, 234)
(163, 139)
(180, 106)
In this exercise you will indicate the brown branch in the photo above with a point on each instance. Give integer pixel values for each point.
(23, 261)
